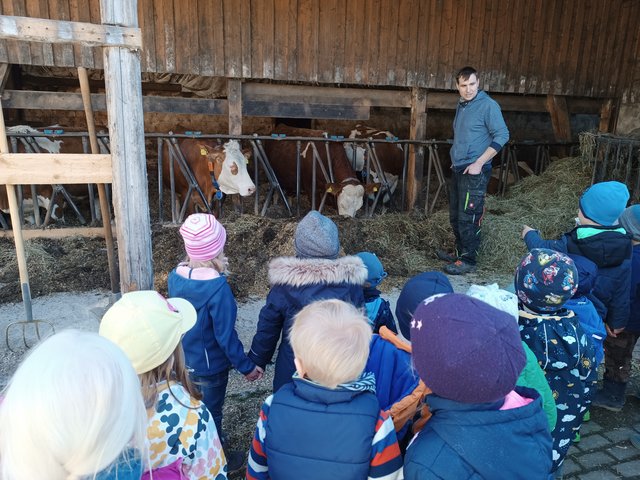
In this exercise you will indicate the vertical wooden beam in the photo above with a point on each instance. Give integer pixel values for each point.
(5, 71)
(126, 133)
(418, 130)
(234, 100)
(608, 116)
(102, 191)
(557, 108)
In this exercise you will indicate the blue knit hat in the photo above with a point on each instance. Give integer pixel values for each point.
(375, 270)
(466, 350)
(545, 280)
(316, 237)
(604, 202)
(415, 291)
(587, 273)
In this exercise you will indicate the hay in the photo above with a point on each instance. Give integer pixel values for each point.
(548, 202)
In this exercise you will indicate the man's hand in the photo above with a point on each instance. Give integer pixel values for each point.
(526, 229)
(613, 333)
(474, 168)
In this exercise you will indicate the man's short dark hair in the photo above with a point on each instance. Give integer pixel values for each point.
(465, 72)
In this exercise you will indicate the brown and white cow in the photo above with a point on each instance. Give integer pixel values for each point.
(390, 156)
(227, 162)
(347, 190)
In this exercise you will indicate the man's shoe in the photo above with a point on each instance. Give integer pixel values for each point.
(446, 256)
(235, 460)
(459, 268)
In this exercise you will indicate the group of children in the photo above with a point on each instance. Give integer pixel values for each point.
(488, 384)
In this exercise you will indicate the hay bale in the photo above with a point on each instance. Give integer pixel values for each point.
(548, 202)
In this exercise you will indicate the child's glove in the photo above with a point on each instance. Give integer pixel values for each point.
(256, 374)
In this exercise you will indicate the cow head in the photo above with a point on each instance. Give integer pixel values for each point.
(234, 177)
(391, 180)
(356, 154)
(349, 197)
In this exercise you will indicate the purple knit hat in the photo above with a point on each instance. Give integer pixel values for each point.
(203, 236)
(466, 350)
(545, 280)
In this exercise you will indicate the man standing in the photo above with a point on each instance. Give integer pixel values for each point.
(479, 132)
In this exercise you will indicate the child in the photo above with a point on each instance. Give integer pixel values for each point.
(599, 238)
(619, 348)
(212, 346)
(416, 289)
(180, 429)
(544, 281)
(315, 273)
(483, 426)
(378, 310)
(532, 375)
(326, 423)
(73, 409)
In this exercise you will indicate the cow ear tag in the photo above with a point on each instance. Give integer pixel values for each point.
(203, 151)
(330, 189)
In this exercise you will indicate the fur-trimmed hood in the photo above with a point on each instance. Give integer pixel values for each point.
(298, 272)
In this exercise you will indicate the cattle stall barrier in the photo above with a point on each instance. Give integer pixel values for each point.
(613, 158)
(29, 142)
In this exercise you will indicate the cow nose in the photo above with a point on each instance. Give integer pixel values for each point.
(251, 190)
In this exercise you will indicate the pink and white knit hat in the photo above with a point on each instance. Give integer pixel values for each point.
(203, 235)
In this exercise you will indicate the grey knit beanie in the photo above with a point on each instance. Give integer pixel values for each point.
(316, 237)
(630, 221)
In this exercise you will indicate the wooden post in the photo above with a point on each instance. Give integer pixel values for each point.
(418, 130)
(608, 116)
(126, 134)
(234, 99)
(102, 191)
(560, 120)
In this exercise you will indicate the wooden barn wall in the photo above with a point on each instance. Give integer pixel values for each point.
(565, 47)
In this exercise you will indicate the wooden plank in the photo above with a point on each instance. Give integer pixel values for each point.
(331, 40)
(597, 47)
(169, 37)
(607, 116)
(80, 13)
(419, 76)
(514, 51)
(557, 106)
(561, 64)
(24, 52)
(206, 43)
(44, 168)
(392, 18)
(5, 73)
(126, 133)
(57, 233)
(59, 11)
(232, 40)
(159, 28)
(257, 41)
(329, 95)
(501, 51)
(36, 49)
(64, 32)
(292, 36)
(234, 99)
(146, 14)
(280, 40)
(219, 50)
(182, 21)
(13, 47)
(268, 36)
(94, 10)
(418, 129)
(30, 100)
(257, 108)
(575, 45)
(533, 49)
(461, 26)
(632, 54)
(433, 44)
(624, 36)
(445, 76)
(372, 14)
(474, 52)
(489, 62)
(307, 41)
(245, 37)
(403, 40)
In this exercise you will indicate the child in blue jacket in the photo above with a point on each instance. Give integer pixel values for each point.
(212, 346)
(544, 281)
(315, 273)
(326, 423)
(378, 309)
(483, 426)
(602, 240)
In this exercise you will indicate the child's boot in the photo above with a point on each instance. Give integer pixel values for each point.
(611, 396)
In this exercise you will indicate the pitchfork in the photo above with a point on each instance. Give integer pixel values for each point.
(16, 225)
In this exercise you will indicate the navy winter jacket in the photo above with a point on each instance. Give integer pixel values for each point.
(634, 318)
(480, 442)
(378, 311)
(303, 417)
(610, 249)
(478, 124)
(296, 283)
(212, 345)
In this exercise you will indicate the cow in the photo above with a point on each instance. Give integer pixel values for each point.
(390, 156)
(346, 188)
(227, 163)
